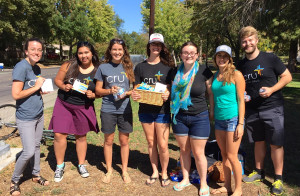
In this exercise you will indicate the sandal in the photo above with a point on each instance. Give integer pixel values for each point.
(42, 181)
(150, 180)
(220, 190)
(165, 182)
(179, 187)
(204, 190)
(126, 178)
(15, 188)
(107, 178)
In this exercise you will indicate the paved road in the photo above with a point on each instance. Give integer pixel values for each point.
(6, 82)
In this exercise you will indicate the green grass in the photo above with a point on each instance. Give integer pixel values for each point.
(291, 175)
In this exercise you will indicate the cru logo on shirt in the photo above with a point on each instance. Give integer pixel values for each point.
(253, 77)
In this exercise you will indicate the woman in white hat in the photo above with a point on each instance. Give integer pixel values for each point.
(229, 110)
(156, 119)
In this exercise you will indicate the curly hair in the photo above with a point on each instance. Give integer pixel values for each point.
(165, 56)
(126, 61)
(229, 70)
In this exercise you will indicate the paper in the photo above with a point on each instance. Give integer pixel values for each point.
(80, 87)
(159, 87)
(47, 85)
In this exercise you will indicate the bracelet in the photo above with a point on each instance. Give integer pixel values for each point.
(241, 124)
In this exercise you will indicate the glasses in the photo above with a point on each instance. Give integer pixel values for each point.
(192, 54)
(157, 44)
(119, 41)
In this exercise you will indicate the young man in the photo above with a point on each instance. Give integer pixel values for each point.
(264, 112)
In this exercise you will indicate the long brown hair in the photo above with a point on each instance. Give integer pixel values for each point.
(73, 67)
(229, 70)
(126, 61)
(165, 56)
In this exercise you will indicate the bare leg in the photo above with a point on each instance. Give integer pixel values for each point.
(162, 136)
(185, 157)
(108, 144)
(81, 148)
(150, 133)
(60, 146)
(124, 139)
(277, 155)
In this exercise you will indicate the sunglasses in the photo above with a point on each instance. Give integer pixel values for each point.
(118, 41)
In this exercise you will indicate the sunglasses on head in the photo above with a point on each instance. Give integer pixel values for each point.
(119, 41)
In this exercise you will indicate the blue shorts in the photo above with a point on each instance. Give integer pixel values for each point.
(153, 117)
(195, 126)
(226, 125)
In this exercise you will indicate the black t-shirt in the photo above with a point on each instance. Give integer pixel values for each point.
(75, 97)
(263, 71)
(198, 90)
(150, 74)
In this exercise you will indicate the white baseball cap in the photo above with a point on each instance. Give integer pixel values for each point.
(156, 37)
(224, 48)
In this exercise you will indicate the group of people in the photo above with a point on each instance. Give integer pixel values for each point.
(184, 107)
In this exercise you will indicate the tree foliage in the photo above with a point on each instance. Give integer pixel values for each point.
(172, 19)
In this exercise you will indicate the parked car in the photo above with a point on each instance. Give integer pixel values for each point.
(52, 56)
(137, 58)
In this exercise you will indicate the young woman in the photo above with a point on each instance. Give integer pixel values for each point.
(156, 119)
(26, 90)
(228, 88)
(191, 124)
(113, 83)
(74, 111)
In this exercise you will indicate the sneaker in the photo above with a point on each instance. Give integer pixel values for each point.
(277, 187)
(58, 175)
(83, 171)
(253, 177)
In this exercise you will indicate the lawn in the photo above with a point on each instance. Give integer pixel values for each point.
(139, 165)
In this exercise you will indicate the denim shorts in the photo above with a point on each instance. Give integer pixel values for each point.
(226, 125)
(153, 117)
(195, 126)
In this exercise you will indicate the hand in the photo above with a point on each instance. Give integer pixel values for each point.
(135, 95)
(44, 93)
(39, 82)
(165, 95)
(239, 132)
(267, 92)
(68, 87)
(90, 94)
(114, 89)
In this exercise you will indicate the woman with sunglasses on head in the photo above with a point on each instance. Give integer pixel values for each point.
(114, 77)
(156, 120)
(74, 111)
(191, 125)
(228, 87)
(26, 90)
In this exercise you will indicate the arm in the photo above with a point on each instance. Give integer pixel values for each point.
(100, 91)
(18, 92)
(135, 95)
(210, 97)
(165, 96)
(240, 89)
(60, 76)
(285, 78)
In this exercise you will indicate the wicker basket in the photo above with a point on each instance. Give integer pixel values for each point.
(150, 97)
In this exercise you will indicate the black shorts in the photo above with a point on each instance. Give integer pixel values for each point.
(109, 122)
(266, 125)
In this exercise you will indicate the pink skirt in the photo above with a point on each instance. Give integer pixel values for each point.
(73, 119)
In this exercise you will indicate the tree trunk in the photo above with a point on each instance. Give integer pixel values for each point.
(292, 56)
(60, 50)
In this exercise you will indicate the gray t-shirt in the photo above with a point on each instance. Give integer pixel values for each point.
(113, 75)
(29, 108)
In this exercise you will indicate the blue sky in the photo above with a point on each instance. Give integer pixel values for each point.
(130, 12)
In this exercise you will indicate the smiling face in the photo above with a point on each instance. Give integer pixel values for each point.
(189, 55)
(34, 52)
(222, 59)
(249, 44)
(155, 48)
(117, 53)
(85, 55)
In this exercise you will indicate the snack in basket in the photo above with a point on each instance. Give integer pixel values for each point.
(148, 95)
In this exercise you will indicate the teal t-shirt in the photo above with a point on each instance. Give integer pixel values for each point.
(225, 99)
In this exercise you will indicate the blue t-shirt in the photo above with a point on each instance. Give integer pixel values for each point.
(113, 75)
(225, 99)
(31, 107)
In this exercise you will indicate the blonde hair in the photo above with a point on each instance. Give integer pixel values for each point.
(229, 70)
(248, 31)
